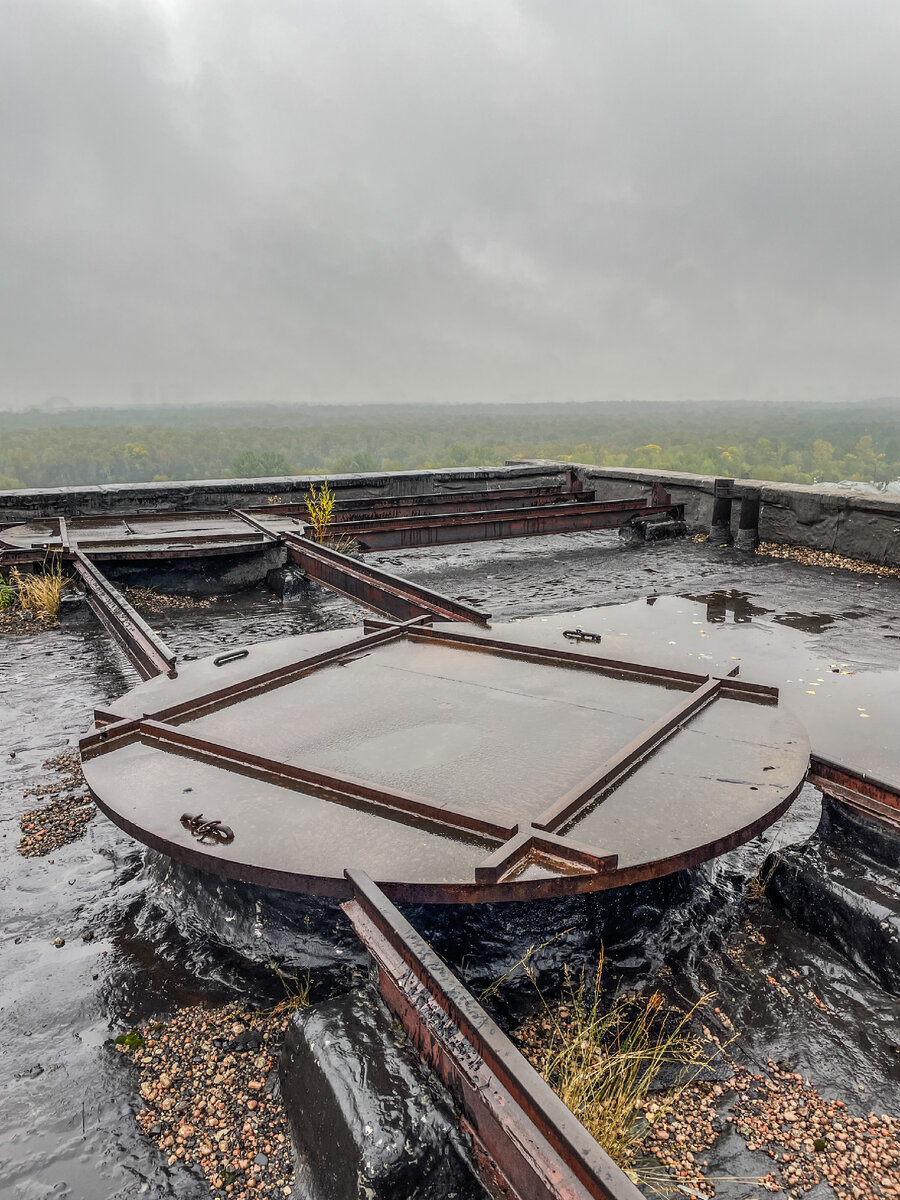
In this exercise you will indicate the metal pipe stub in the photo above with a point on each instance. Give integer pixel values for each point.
(748, 521)
(720, 529)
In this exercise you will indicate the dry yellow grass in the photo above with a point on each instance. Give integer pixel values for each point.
(601, 1058)
(40, 593)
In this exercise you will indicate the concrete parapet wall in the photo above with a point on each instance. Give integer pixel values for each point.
(839, 521)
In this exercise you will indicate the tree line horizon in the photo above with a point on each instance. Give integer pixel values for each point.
(784, 443)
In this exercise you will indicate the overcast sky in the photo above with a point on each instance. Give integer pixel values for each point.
(468, 201)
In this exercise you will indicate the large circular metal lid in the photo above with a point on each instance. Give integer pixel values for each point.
(449, 762)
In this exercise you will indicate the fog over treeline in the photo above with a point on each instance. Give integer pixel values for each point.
(300, 202)
(795, 443)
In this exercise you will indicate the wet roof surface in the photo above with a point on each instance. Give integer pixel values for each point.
(166, 936)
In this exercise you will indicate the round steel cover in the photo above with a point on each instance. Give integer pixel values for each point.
(448, 761)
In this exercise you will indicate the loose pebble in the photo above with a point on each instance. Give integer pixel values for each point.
(15, 620)
(65, 818)
(157, 602)
(204, 1097)
(823, 558)
(808, 1138)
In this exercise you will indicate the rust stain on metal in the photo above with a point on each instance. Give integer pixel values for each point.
(145, 648)
(528, 1143)
(857, 790)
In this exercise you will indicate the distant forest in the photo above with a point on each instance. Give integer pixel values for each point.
(794, 443)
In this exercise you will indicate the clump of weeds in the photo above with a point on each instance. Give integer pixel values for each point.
(602, 1057)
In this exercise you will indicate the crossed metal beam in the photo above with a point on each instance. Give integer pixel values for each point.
(510, 847)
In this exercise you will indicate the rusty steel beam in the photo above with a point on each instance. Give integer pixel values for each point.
(376, 589)
(244, 689)
(732, 688)
(452, 528)
(595, 787)
(528, 1145)
(857, 790)
(377, 508)
(437, 503)
(20, 558)
(329, 785)
(147, 651)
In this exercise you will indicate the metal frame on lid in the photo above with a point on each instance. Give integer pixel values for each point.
(565, 864)
(146, 649)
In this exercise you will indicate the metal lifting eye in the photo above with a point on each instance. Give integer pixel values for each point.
(208, 832)
(231, 656)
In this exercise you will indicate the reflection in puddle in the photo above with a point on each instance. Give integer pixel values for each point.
(846, 702)
(720, 604)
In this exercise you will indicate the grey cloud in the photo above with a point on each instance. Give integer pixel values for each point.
(448, 201)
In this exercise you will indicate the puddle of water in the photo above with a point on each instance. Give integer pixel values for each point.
(847, 703)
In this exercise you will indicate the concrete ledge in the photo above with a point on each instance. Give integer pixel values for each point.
(840, 521)
(24, 505)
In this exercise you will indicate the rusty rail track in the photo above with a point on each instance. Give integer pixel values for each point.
(528, 1145)
(376, 589)
(145, 648)
(859, 791)
(385, 507)
(444, 529)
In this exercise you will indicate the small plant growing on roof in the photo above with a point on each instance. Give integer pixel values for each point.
(40, 593)
(601, 1056)
(320, 507)
(297, 990)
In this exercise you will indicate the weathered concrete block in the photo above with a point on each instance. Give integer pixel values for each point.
(367, 1118)
(287, 581)
(844, 897)
(656, 530)
(73, 608)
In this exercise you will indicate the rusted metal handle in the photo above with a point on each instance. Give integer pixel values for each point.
(231, 656)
